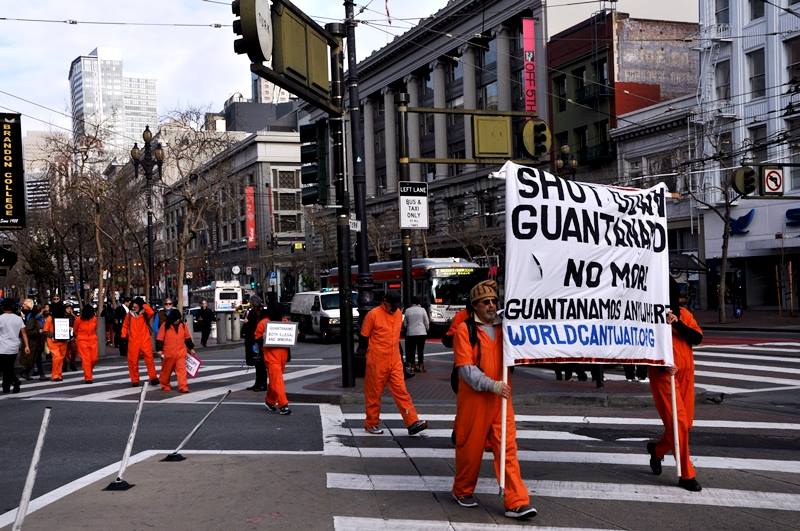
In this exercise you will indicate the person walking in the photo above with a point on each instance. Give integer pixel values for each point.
(417, 326)
(252, 351)
(685, 334)
(86, 341)
(172, 343)
(57, 347)
(119, 319)
(380, 333)
(12, 330)
(479, 418)
(136, 329)
(72, 348)
(205, 317)
(275, 359)
(33, 327)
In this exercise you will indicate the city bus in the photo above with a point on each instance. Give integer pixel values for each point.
(222, 296)
(442, 284)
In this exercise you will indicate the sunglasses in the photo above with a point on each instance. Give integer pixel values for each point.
(167, 303)
(487, 302)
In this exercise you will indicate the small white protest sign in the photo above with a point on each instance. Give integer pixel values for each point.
(280, 334)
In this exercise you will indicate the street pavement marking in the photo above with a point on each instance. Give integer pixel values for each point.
(769, 389)
(749, 499)
(541, 435)
(625, 421)
(745, 377)
(57, 387)
(216, 391)
(762, 368)
(354, 523)
(753, 347)
(587, 458)
(751, 357)
(779, 344)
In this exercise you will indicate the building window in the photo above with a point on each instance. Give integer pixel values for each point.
(725, 153)
(633, 170)
(490, 53)
(758, 143)
(285, 179)
(756, 9)
(755, 62)
(601, 71)
(560, 90)
(488, 96)
(581, 141)
(579, 75)
(456, 70)
(722, 76)
(793, 127)
(455, 103)
(723, 12)
(793, 59)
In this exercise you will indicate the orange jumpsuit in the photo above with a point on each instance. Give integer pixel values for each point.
(458, 318)
(86, 340)
(275, 359)
(479, 420)
(384, 365)
(684, 396)
(58, 349)
(137, 331)
(174, 348)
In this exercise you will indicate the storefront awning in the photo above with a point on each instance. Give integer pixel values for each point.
(685, 262)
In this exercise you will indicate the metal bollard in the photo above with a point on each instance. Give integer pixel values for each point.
(190, 324)
(22, 511)
(119, 483)
(101, 338)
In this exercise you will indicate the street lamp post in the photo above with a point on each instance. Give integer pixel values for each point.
(566, 164)
(148, 159)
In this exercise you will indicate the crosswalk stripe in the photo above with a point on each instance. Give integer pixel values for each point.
(355, 523)
(779, 344)
(542, 435)
(751, 357)
(584, 458)
(751, 347)
(622, 421)
(746, 377)
(746, 366)
(215, 392)
(577, 490)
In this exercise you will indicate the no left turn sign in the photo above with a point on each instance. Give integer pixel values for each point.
(772, 179)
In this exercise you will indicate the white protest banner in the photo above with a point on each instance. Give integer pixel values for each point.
(61, 328)
(280, 334)
(193, 364)
(587, 272)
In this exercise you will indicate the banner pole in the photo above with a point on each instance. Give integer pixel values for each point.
(176, 456)
(22, 510)
(503, 430)
(675, 426)
(119, 483)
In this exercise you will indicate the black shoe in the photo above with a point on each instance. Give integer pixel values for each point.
(57, 379)
(15, 387)
(284, 410)
(466, 501)
(655, 461)
(271, 407)
(134, 384)
(581, 378)
(259, 388)
(417, 427)
(88, 381)
(523, 511)
(251, 388)
(42, 378)
(73, 367)
(690, 484)
(154, 381)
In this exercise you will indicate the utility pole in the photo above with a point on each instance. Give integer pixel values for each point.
(365, 285)
(343, 206)
(402, 100)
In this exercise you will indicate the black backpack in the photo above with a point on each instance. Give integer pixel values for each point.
(473, 340)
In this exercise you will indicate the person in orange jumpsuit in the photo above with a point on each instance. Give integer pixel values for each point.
(173, 342)
(57, 347)
(275, 358)
(380, 331)
(458, 318)
(86, 341)
(685, 333)
(479, 415)
(136, 329)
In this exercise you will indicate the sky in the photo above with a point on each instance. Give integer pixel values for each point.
(196, 65)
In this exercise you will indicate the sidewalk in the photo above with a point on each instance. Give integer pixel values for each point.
(751, 321)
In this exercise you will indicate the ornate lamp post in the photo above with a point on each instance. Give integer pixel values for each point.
(566, 164)
(148, 159)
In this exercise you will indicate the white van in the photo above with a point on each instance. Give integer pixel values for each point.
(317, 312)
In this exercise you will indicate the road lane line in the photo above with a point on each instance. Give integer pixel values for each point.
(762, 368)
(751, 357)
(355, 523)
(745, 377)
(622, 421)
(749, 499)
(542, 435)
(752, 347)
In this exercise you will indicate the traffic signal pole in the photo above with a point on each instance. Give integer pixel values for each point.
(402, 100)
(343, 206)
(365, 286)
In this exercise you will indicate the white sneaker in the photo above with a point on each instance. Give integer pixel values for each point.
(374, 430)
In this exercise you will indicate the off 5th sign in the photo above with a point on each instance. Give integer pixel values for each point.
(413, 205)
(772, 180)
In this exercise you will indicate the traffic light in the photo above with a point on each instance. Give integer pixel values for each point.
(536, 138)
(744, 180)
(255, 27)
(314, 158)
